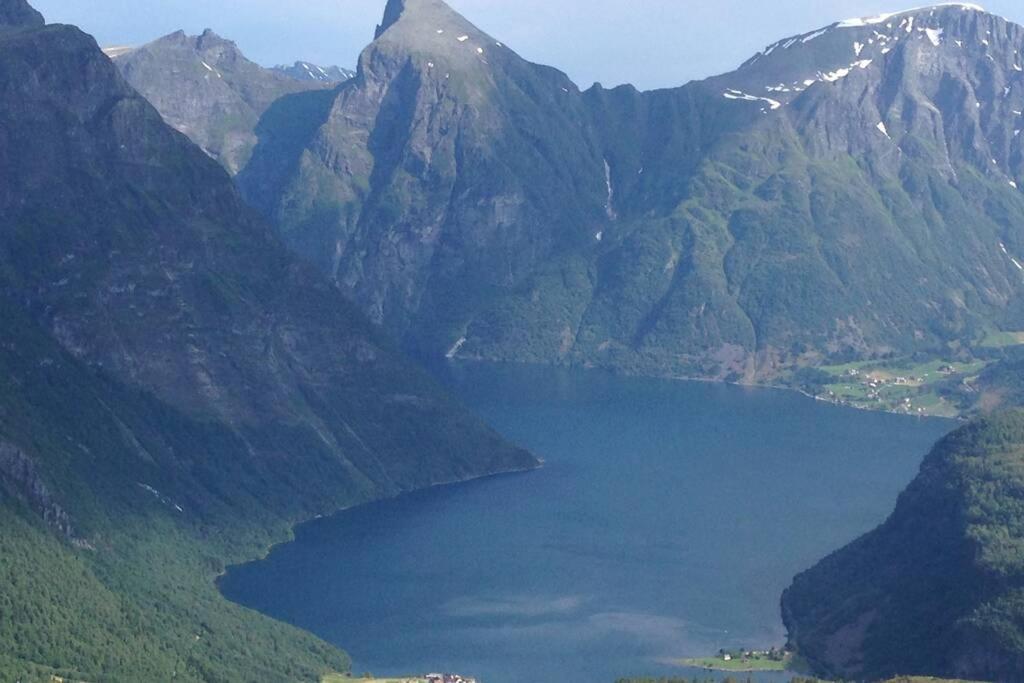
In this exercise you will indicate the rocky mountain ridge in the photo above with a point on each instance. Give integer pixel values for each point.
(849, 193)
(206, 88)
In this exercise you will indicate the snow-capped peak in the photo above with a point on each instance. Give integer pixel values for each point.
(882, 18)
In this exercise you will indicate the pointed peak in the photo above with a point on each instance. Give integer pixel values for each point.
(18, 14)
(210, 39)
(422, 13)
(392, 13)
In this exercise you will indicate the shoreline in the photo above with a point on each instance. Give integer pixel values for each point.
(294, 527)
(703, 380)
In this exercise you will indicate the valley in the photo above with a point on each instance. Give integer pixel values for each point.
(444, 363)
(625, 553)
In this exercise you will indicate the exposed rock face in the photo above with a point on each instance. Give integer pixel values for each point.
(441, 176)
(852, 191)
(18, 14)
(19, 477)
(937, 589)
(206, 88)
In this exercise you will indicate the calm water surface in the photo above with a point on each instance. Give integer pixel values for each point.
(666, 522)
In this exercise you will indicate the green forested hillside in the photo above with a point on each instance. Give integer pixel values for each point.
(176, 390)
(102, 578)
(939, 588)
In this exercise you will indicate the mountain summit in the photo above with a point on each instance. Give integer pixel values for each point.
(18, 14)
(441, 176)
(206, 88)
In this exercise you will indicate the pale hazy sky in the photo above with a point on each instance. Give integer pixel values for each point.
(650, 43)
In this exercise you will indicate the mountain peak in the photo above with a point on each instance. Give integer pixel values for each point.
(858, 22)
(18, 14)
(210, 38)
(392, 13)
(944, 33)
(440, 38)
(428, 16)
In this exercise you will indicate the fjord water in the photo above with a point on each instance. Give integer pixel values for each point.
(667, 520)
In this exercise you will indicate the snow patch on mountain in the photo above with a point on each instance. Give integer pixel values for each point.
(732, 94)
(858, 22)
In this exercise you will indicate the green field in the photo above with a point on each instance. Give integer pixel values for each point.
(1002, 340)
(898, 386)
(740, 664)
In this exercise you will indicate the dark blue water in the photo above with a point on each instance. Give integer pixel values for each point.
(667, 521)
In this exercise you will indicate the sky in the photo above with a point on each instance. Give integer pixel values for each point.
(649, 43)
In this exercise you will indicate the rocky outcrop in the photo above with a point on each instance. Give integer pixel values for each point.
(20, 478)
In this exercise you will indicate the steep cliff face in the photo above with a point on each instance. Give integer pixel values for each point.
(440, 176)
(206, 88)
(138, 255)
(937, 589)
(175, 388)
(851, 191)
(20, 478)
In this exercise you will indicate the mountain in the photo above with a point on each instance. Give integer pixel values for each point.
(853, 192)
(304, 71)
(937, 589)
(440, 177)
(206, 88)
(16, 15)
(176, 389)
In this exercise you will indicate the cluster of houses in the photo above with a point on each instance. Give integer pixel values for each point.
(875, 382)
(772, 654)
(448, 678)
(875, 385)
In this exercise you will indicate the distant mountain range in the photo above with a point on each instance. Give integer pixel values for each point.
(206, 88)
(848, 193)
(176, 389)
(304, 71)
(183, 379)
